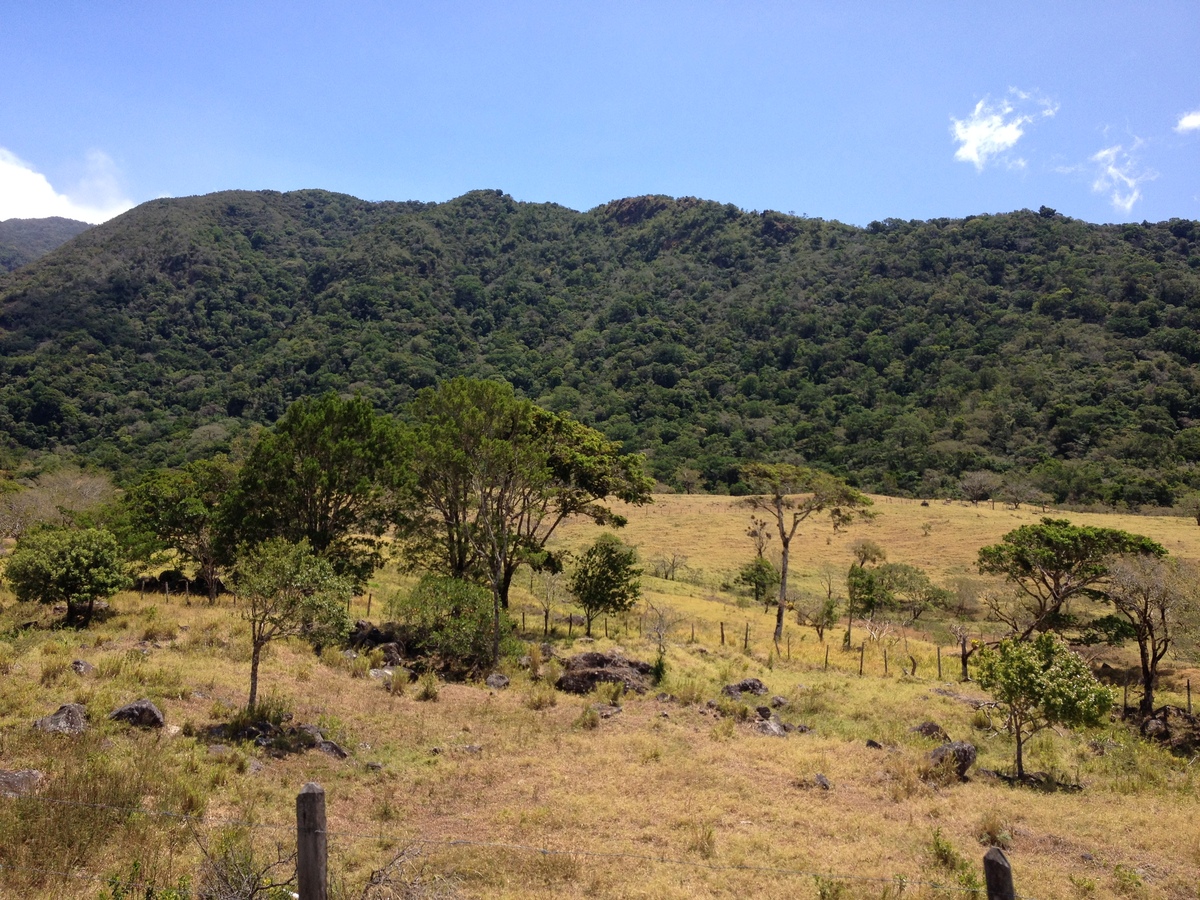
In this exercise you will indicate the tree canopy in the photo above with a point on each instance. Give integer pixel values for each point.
(606, 580)
(1053, 561)
(57, 565)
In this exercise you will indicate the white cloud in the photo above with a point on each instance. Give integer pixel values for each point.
(1117, 175)
(1188, 122)
(994, 127)
(26, 193)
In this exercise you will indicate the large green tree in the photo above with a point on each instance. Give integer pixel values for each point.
(1041, 683)
(1050, 563)
(492, 476)
(56, 565)
(286, 590)
(324, 475)
(792, 494)
(183, 509)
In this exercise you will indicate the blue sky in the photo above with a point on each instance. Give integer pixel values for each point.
(843, 110)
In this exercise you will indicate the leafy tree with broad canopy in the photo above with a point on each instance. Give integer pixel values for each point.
(323, 475)
(791, 494)
(606, 581)
(1041, 683)
(1053, 561)
(287, 590)
(182, 508)
(492, 476)
(54, 565)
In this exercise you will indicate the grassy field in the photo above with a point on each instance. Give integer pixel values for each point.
(667, 799)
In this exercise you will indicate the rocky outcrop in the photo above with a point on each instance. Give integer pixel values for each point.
(141, 713)
(586, 670)
(70, 718)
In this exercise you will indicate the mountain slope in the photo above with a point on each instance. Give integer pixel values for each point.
(24, 240)
(901, 355)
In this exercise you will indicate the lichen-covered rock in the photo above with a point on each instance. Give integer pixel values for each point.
(70, 718)
(745, 686)
(961, 752)
(497, 681)
(931, 730)
(20, 782)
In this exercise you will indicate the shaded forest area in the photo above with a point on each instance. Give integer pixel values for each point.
(1055, 353)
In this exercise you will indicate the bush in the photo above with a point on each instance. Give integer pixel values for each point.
(450, 623)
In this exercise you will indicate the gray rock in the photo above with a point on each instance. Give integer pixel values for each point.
(931, 730)
(349, 654)
(392, 654)
(82, 667)
(71, 718)
(385, 672)
(20, 782)
(961, 752)
(525, 662)
(497, 681)
(764, 712)
(473, 748)
(141, 713)
(586, 670)
(770, 727)
(778, 702)
(821, 781)
(219, 751)
(310, 735)
(605, 711)
(873, 744)
(375, 766)
(332, 749)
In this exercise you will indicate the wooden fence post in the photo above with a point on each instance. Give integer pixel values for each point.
(862, 651)
(370, 595)
(722, 634)
(885, 669)
(312, 846)
(826, 657)
(997, 873)
(1189, 689)
(746, 639)
(939, 663)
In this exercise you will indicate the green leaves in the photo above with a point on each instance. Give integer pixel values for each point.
(606, 579)
(74, 567)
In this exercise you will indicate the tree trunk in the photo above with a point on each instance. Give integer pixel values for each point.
(495, 628)
(965, 655)
(1020, 749)
(254, 657)
(1146, 708)
(783, 575)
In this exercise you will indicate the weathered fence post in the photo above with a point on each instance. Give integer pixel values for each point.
(939, 663)
(862, 651)
(312, 846)
(722, 634)
(997, 873)
(746, 639)
(370, 595)
(1189, 687)
(693, 640)
(826, 657)
(789, 646)
(885, 668)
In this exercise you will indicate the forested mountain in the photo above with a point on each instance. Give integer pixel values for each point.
(24, 240)
(901, 355)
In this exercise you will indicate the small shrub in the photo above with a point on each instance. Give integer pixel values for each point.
(535, 661)
(7, 659)
(53, 670)
(552, 670)
(1129, 882)
(702, 839)
(688, 690)
(360, 667)
(943, 852)
(427, 688)
(610, 692)
(723, 730)
(589, 719)
(993, 831)
(541, 696)
(830, 888)
(659, 670)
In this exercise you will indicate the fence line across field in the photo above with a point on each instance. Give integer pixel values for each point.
(313, 835)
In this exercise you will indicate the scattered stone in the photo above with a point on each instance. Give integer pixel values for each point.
(349, 654)
(219, 751)
(770, 727)
(745, 686)
(586, 670)
(1176, 728)
(375, 766)
(778, 702)
(392, 654)
(664, 697)
(961, 752)
(379, 674)
(254, 766)
(605, 710)
(821, 781)
(874, 745)
(82, 667)
(703, 651)
(525, 662)
(308, 735)
(71, 718)
(473, 748)
(140, 713)
(711, 704)
(332, 749)
(664, 714)
(547, 652)
(497, 681)
(20, 782)
(436, 751)
(931, 730)
(764, 712)
(173, 730)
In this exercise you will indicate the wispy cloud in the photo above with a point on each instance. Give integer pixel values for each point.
(1119, 176)
(994, 127)
(1188, 122)
(26, 193)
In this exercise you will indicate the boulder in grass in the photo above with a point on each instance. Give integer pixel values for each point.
(140, 713)
(960, 753)
(745, 686)
(70, 718)
(497, 681)
(332, 749)
(586, 670)
(82, 667)
(931, 730)
(19, 783)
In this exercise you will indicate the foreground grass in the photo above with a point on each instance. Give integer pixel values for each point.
(663, 780)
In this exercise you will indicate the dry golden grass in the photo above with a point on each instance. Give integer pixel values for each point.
(693, 803)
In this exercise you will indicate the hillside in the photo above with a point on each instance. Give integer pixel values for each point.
(507, 793)
(901, 355)
(24, 240)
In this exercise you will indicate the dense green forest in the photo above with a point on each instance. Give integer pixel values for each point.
(24, 240)
(1059, 354)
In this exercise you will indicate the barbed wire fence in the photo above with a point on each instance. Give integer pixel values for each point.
(311, 838)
